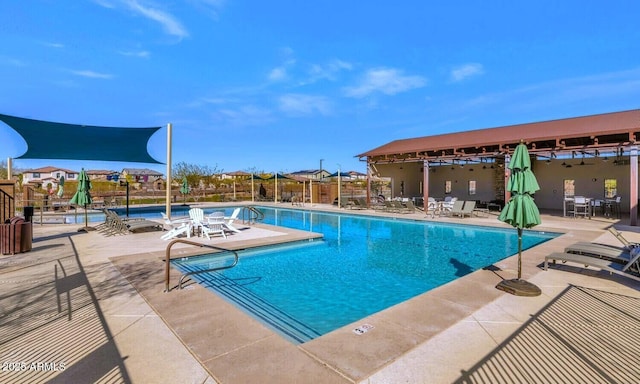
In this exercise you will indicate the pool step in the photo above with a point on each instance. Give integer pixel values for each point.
(252, 304)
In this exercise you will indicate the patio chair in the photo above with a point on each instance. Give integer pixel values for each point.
(176, 227)
(215, 225)
(581, 207)
(197, 219)
(229, 220)
(117, 224)
(604, 264)
(603, 251)
(618, 235)
(431, 207)
(409, 207)
(466, 210)
(455, 207)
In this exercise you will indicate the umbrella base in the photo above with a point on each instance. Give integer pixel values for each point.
(86, 229)
(519, 287)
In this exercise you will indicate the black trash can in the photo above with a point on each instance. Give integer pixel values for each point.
(28, 214)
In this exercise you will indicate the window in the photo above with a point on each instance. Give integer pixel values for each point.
(472, 187)
(610, 188)
(36, 175)
(569, 187)
(447, 186)
(72, 175)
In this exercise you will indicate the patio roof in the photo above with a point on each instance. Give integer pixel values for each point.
(610, 131)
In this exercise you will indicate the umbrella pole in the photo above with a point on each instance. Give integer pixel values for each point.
(519, 253)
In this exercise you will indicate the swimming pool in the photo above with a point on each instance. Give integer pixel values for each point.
(362, 265)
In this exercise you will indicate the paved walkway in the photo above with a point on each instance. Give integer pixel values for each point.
(84, 308)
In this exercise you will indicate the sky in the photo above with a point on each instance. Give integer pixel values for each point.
(279, 86)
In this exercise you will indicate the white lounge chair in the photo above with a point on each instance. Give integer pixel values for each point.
(230, 219)
(176, 227)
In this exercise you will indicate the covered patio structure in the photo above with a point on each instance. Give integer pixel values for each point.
(588, 151)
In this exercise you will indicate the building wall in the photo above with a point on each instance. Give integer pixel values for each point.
(589, 180)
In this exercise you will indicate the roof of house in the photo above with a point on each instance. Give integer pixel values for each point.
(608, 130)
(100, 172)
(141, 171)
(49, 169)
(237, 173)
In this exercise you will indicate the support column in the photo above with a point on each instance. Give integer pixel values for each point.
(507, 173)
(168, 188)
(9, 169)
(368, 185)
(425, 184)
(633, 186)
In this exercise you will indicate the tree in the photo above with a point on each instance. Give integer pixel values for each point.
(199, 177)
(3, 170)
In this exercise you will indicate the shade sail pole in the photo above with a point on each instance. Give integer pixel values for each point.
(168, 188)
(9, 168)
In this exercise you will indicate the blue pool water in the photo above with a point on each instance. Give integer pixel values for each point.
(362, 265)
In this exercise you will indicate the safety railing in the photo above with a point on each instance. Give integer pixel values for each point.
(167, 277)
(250, 214)
(8, 205)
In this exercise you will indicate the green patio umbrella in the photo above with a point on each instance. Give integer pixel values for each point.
(184, 189)
(520, 212)
(61, 186)
(83, 197)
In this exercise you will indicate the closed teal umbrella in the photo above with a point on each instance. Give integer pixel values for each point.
(61, 186)
(520, 212)
(184, 189)
(83, 196)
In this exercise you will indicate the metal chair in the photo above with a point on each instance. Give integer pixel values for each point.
(581, 207)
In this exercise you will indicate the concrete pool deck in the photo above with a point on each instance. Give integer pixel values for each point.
(83, 307)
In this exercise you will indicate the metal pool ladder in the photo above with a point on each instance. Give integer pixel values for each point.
(168, 261)
(250, 214)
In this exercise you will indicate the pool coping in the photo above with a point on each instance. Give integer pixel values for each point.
(234, 347)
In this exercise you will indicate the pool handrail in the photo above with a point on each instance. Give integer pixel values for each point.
(168, 261)
(247, 216)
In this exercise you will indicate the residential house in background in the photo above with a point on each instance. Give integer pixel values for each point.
(143, 178)
(237, 175)
(42, 177)
(101, 174)
(312, 174)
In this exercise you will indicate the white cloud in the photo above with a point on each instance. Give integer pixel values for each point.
(277, 74)
(210, 7)
(247, 115)
(54, 45)
(141, 54)
(328, 71)
(388, 81)
(464, 71)
(92, 74)
(299, 104)
(169, 23)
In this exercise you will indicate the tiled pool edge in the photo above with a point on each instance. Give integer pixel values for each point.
(354, 361)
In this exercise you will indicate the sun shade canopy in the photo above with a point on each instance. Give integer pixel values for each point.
(48, 140)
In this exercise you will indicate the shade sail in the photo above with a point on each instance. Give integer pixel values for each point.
(278, 176)
(49, 140)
